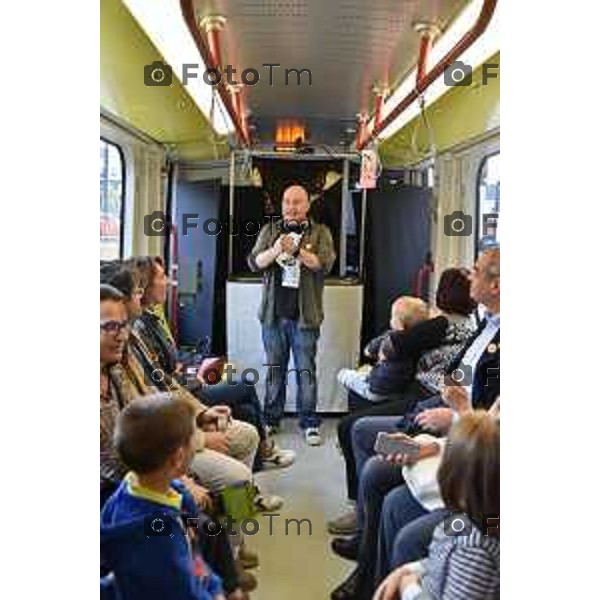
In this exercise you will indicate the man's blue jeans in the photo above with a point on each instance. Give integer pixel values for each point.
(405, 531)
(278, 339)
(377, 478)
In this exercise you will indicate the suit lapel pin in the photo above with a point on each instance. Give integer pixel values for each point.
(492, 348)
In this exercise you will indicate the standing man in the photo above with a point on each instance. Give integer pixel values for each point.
(294, 255)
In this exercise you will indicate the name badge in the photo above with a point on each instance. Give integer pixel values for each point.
(290, 276)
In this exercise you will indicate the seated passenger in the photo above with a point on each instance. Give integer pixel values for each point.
(240, 396)
(411, 511)
(481, 359)
(453, 309)
(223, 458)
(114, 329)
(134, 378)
(396, 353)
(154, 438)
(113, 337)
(465, 567)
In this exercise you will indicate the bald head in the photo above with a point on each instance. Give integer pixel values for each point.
(407, 311)
(295, 204)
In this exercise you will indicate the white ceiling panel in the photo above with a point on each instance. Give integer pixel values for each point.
(348, 46)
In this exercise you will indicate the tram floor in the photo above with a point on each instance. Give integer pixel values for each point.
(299, 564)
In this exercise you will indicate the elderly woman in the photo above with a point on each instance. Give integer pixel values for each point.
(114, 332)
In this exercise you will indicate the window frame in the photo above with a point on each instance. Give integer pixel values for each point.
(123, 194)
(478, 199)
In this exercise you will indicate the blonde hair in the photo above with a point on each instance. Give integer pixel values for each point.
(408, 311)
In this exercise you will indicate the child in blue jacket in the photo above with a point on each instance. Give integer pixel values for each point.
(145, 537)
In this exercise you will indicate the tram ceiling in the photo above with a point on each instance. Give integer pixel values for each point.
(345, 48)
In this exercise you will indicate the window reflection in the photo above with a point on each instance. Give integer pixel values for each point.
(489, 203)
(111, 200)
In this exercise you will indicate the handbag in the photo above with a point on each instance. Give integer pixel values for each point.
(201, 364)
(211, 368)
(237, 501)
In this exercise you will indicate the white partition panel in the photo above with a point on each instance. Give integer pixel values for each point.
(339, 343)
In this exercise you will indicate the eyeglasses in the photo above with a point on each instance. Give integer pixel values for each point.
(113, 326)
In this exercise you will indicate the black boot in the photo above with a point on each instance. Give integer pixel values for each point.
(346, 547)
(350, 589)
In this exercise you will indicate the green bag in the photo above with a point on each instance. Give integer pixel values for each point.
(237, 501)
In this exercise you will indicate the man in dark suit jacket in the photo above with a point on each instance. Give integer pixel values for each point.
(473, 380)
(474, 377)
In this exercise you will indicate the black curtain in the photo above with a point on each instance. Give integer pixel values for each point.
(397, 242)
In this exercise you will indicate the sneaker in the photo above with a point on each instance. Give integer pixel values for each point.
(247, 558)
(312, 436)
(345, 524)
(268, 502)
(351, 588)
(278, 458)
(271, 430)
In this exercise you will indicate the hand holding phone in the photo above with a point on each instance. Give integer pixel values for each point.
(389, 444)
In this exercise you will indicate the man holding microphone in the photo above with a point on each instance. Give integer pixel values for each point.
(294, 255)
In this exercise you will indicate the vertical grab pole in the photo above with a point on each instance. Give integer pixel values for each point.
(363, 217)
(230, 215)
(171, 249)
(345, 209)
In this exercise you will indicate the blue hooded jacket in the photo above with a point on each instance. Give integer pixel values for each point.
(144, 543)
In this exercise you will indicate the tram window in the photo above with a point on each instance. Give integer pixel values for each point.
(488, 204)
(430, 176)
(111, 200)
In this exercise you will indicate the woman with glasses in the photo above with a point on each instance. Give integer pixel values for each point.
(113, 337)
